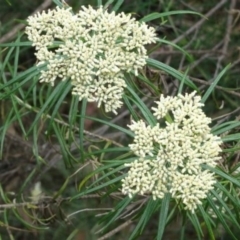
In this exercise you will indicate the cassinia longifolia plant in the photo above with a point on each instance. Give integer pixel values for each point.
(173, 160)
(93, 49)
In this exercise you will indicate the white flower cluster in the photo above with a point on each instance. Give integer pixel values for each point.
(171, 157)
(92, 48)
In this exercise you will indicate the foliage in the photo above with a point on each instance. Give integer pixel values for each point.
(63, 161)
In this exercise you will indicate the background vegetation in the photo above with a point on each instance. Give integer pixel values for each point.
(40, 145)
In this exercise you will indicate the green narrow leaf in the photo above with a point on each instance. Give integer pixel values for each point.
(59, 3)
(117, 179)
(64, 149)
(63, 187)
(3, 195)
(8, 91)
(175, 46)
(224, 127)
(16, 44)
(195, 222)
(99, 3)
(155, 15)
(99, 170)
(28, 225)
(145, 216)
(31, 72)
(117, 5)
(73, 234)
(148, 82)
(5, 127)
(182, 232)
(58, 102)
(81, 127)
(16, 58)
(221, 218)
(50, 101)
(129, 107)
(163, 215)
(108, 123)
(234, 200)
(231, 137)
(225, 206)
(142, 107)
(6, 60)
(152, 208)
(35, 143)
(27, 180)
(108, 3)
(118, 209)
(115, 170)
(214, 83)
(73, 110)
(6, 217)
(222, 174)
(18, 115)
(207, 222)
(173, 72)
(180, 89)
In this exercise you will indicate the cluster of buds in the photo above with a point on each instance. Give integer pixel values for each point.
(93, 49)
(171, 156)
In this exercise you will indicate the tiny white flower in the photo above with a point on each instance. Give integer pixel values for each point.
(90, 47)
(177, 153)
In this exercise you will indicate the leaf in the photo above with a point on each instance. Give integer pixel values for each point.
(173, 72)
(225, 127)
(117, 5)
(195, 222)
(222, 174)
(231, 137)
(155, 15)
(214, 83)
(144, 217)
(207, 222)
(142, 107)
(175, 46)
(163, 216)
(221, 217)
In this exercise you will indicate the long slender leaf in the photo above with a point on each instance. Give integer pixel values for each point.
(223, 174)
(224, 127)
(221, 218)
(118, 209)
(214, 83)
(117, 127)
(163, 215)
(81, 126)
(155, 15)
(231, 137)
(225, 206)
(142, 107)
(175, 46)
(207, 222)
(144, 218)
(55, 95)
(173, 72)
(195, 222)
(117, 5)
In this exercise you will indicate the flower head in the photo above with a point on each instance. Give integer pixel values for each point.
(92, 48)
(174, 154)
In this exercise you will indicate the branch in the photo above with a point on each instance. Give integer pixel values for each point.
(199, 23)
(227, 37)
